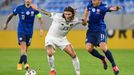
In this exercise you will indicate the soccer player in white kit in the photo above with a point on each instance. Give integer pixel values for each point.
(56, 36)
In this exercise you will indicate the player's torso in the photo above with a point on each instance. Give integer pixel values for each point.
(96, 19)
(60, 27)
(26, 19)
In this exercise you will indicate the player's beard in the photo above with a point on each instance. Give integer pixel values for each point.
(69, 19)
(28, 4)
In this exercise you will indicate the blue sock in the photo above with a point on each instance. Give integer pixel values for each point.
(110, 57)
(23, 58)
(95, 53)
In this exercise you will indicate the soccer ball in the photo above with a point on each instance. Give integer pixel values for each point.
(30, 72)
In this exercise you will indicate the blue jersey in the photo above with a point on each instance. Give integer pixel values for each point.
(96, 17)
(26, 19)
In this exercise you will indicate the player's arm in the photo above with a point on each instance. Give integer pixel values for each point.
(41, 23)
(44, 12)
(114, 8)
(41, 10)
(86, 14)
(8, 20)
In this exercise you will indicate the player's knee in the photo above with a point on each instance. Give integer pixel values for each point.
(73, 55)
(89, 47)
(49, 53)
(103, 46)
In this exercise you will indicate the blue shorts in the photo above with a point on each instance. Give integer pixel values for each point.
(96, 38)
(24, 37)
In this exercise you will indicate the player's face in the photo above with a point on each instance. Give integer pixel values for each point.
(68, 15)
(28, 2)
(96, 2)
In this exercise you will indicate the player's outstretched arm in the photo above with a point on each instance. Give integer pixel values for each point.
(41, 10)
(7, 21)
(86, 14)
(41, 26)
(115, 8)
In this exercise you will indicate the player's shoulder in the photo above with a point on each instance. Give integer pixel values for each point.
(56, 15)
(103, 5)
(76, 19)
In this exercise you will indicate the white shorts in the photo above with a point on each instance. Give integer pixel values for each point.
(57, 42)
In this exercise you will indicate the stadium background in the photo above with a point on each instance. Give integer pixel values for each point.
(120, 27)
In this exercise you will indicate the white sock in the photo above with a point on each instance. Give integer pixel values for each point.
(76, 65)
(51, 62)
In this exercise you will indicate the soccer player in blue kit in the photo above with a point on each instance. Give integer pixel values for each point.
(26, 16)
(96, 33)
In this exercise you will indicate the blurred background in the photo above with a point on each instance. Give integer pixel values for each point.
(120, 25)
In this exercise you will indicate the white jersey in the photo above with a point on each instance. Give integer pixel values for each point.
(59, 27)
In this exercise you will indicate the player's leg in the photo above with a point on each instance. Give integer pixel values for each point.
(95, 53)
(90, 42)
(69, 50)
(102, 43)
(50, 57)
(50, 47)
(108, 54)
(22, 43)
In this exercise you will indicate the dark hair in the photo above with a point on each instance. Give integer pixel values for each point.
(70, 9)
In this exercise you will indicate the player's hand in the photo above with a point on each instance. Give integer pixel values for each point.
(41, 32)
(115, 8)
(84, 22)
(34, 6)
(4, 27)
(118, 8)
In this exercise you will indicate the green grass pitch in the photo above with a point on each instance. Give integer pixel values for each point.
(89, 65)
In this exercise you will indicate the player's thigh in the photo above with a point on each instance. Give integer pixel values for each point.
(50, 46)
(70, 51)
(102, 41)
(90, 41)
(103, 46)
(62, 43)
(21, 38)
(28, 39)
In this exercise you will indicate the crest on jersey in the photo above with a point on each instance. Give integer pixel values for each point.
(32, 13)
(98, 11)
(28, 13)
(93, 10)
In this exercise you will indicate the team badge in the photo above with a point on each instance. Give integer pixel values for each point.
(28, 13)
(32, 13)
(98, 11)
(93, 10)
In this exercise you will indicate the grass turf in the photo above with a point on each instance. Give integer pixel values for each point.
(63, 63)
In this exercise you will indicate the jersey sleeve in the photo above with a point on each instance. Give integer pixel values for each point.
(107, 8)
(36, 12)
(16, 11)
(55, 15)
(89, 5)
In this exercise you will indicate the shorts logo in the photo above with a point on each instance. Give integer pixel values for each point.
(20, 38)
